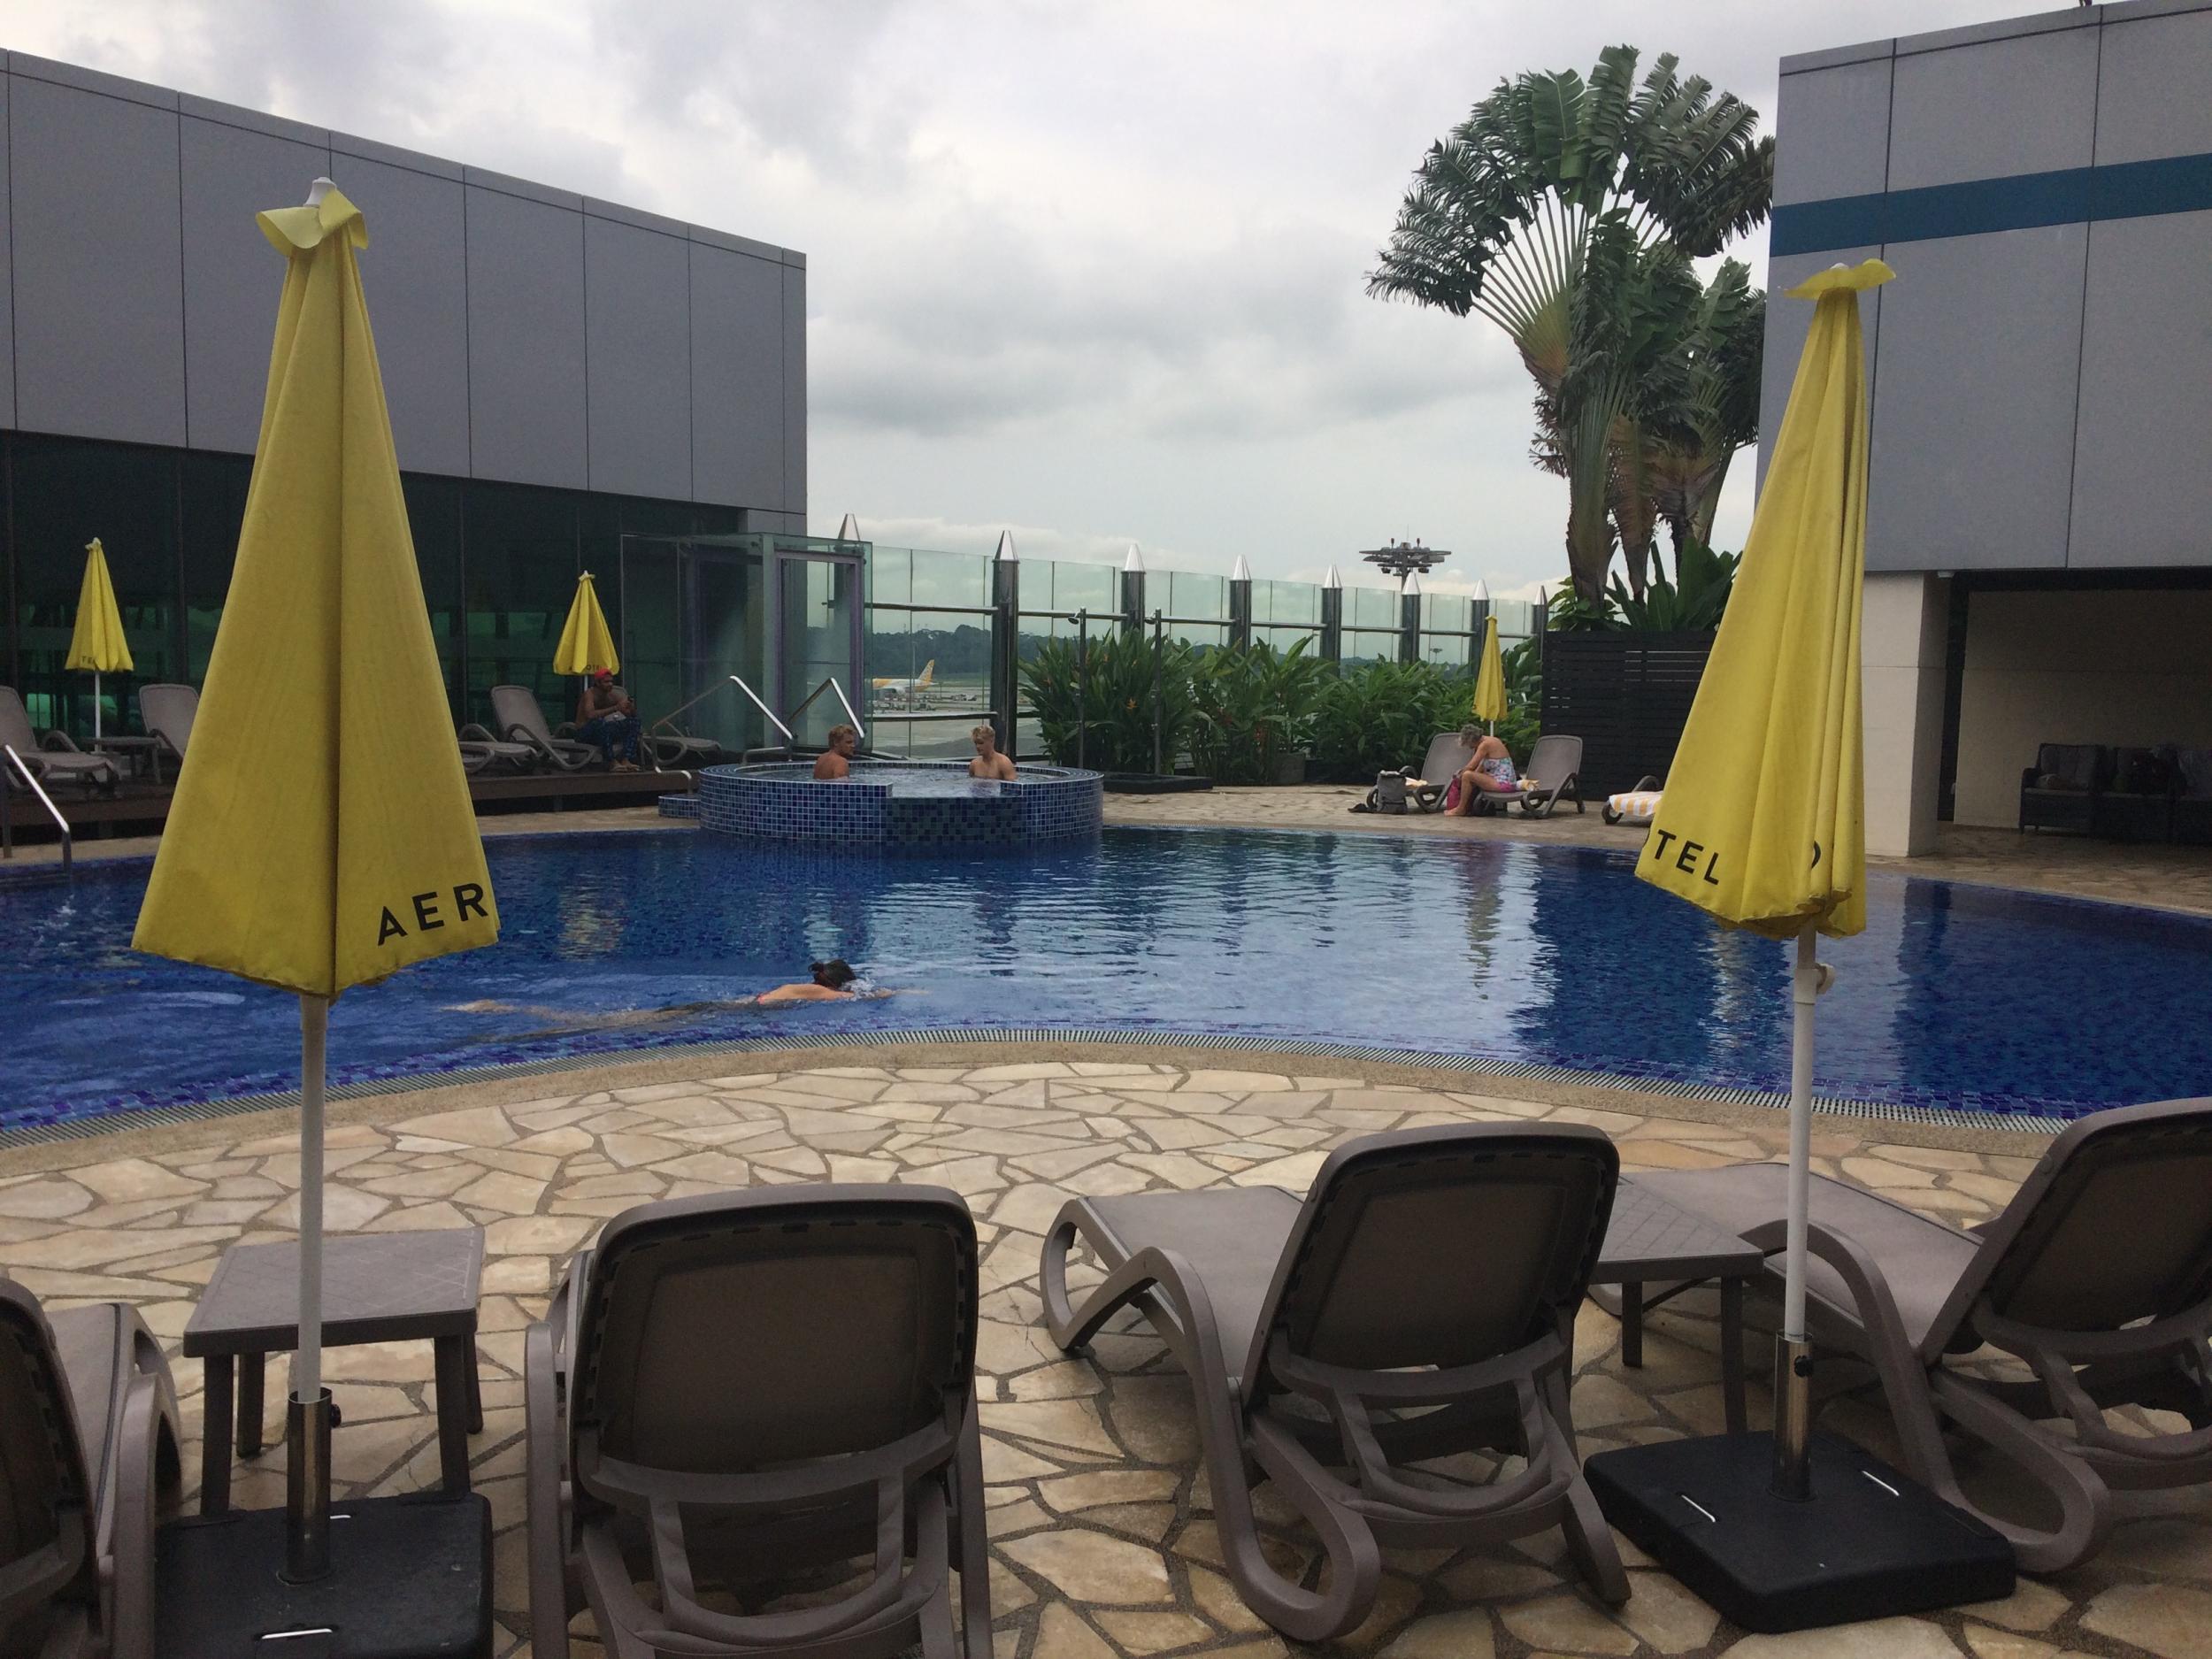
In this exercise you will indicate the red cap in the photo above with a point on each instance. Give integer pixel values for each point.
(601, 676)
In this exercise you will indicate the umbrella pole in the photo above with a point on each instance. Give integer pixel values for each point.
(307, 1413)
(1792, 1353)
(95, 705)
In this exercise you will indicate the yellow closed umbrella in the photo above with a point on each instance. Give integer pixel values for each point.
(1764, 821)
(323, 836)
(97, 643)
(586, 640)
(1490, 678)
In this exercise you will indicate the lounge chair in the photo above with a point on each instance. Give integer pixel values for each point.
(1556, 763)
(481, 751)
(2098, 1275)
(1422, 789)
(2060, 791)
(88, 1452)
(740, 1387)
(1430, 1267)
(167, 713)
(52, 758)
(665, 749)
(2192, 795)
(1639, 805)
(2137, 802)
(517, 718)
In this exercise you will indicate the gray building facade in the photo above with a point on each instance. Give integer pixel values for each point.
(2039, 567)
(561, 371)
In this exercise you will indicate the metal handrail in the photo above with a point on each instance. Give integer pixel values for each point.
(7, 815)
(806, 701)
(764, 708)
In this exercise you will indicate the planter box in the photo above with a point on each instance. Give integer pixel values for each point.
(1153, 783)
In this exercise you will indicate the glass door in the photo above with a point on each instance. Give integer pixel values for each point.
(723, 635)
(817, 636)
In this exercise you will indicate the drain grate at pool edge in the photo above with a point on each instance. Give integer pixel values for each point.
(1475, 1065)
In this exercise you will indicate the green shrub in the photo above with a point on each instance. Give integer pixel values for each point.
(1381, 716)
(1254, 705)
(1114, 710)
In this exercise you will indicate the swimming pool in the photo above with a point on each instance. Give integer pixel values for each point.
(1955, 996)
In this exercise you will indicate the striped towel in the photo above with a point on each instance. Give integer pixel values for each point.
(1638, 806)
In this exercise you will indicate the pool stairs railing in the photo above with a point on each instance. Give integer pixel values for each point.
(7, 811)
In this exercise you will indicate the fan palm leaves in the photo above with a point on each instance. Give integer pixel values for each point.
(1503, 210)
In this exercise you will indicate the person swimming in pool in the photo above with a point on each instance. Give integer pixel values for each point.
(832, 981)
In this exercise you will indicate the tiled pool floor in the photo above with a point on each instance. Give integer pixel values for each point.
(1087, 1568)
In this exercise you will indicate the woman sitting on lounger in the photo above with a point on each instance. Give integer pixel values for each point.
(1488, 777)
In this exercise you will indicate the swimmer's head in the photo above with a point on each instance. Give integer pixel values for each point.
(834, 975)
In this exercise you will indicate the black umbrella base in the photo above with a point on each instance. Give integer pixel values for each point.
(1868, 1543)
(410, 1578)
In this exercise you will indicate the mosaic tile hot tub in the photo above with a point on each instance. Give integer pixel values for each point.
(900, 803)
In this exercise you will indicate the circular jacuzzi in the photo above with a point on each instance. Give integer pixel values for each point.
(900, 803)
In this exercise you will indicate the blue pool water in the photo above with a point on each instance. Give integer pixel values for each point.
(1955, 996)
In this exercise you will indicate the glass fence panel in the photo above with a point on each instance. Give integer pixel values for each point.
(1445, 613)
(1063, 585)
(1371, 608)
(1279, 602)
(1192, 594)
(950, 579)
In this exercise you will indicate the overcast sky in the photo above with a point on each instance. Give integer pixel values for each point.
(1092, 272)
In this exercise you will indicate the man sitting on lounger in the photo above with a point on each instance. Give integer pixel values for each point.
(609, 719)
(989, 763)
(836, 760)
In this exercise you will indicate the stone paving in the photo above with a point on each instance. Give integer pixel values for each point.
(1103, 1539)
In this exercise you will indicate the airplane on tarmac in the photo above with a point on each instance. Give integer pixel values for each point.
(904, 690)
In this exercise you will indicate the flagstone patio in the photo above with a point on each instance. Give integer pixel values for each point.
(1100, 1529)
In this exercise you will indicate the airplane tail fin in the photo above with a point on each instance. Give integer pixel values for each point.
(928, 675)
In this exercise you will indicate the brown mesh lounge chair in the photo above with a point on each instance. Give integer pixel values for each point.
(519, 720)
(2098, 1275)
(167, 712)
(53, 759)
(88, 1449)
(738, 1387)
(1556, 763)
(1432, 1271)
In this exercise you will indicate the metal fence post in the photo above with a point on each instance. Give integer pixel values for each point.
(1133, 591)
(1005, 692)
(1159, 688)
(1082, 686)
(1333, 617)
(1240, 604)
(1409, 618)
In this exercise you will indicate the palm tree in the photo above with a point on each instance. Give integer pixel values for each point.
(1726, 341)
(1500, 214)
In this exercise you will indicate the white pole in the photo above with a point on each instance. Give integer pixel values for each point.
(1792, 1355)
(307, 1359)
(1804, 988)
(95, 705)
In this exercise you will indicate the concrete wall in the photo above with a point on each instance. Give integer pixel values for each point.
(525, 335)
(1902, 628)
(2041, 369)
(2094, 667)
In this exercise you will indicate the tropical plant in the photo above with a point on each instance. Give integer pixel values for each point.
(1720, 415)
(1692, 603)
(1499, 221)
(1382, 715)
(1571, 613)
(1112, 703)
(1252, 706)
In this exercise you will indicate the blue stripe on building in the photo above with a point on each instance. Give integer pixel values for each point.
(2074, 196)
